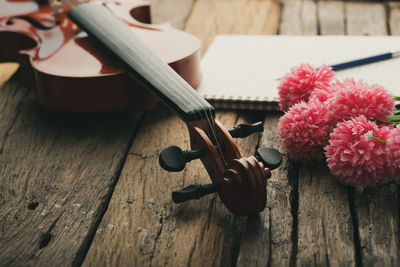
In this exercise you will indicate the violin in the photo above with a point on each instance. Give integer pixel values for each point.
(70, 73)
(239, 181)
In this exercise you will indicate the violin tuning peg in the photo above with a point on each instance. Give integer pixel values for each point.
(173, 159)
(270, 158)
(195, 192)
(244, 130)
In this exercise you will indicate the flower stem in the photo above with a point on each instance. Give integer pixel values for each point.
(378, 139)
(394, 118)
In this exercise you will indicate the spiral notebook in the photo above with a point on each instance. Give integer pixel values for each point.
(242, 71)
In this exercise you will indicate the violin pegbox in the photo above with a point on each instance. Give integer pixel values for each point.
(239, 181)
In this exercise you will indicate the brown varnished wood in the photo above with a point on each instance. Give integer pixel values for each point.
(227, 151)
(238, 194)
(243, 180)
(267, 237)
(150, 228)
(71, 73)
(199, 140)
(261, 175)
(141, 226)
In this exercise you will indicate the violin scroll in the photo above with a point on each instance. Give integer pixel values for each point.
(239, 181)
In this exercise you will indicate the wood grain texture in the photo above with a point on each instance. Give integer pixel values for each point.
(151, 230)
(324, 230)
(299, 17)
(331, 18)
(394, 18)
(376, 209)
(209, 18)
(266, 240)
(174, 12)
(57, 172)
(365, 18)
(142, 226)
(378, 213)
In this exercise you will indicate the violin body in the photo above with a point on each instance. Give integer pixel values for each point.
(70, 73)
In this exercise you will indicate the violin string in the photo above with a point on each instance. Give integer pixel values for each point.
(211, 122)
(203, 104)
(206, 107)
(184, 90)
(200, 101)
(158, 62)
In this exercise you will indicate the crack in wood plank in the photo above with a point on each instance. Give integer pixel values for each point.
(376, 210)
(221, 229)
(58, 161)
(293, 176)
(354, 218)
(319, 242)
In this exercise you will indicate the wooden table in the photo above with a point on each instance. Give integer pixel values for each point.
(87, 189)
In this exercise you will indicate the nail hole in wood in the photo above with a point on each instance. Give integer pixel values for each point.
(44, 240)
(33, 205)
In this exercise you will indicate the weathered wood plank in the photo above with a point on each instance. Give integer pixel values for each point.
(267, 239)
(174, 12)
(331, 17)
(376, 209)
(57, 172)
(267, 236)
(365, 19)
(151, 229)
(210, 18)
(325, 233)
(299, 17)
(394, 18)
(324, 229)
(143, 227)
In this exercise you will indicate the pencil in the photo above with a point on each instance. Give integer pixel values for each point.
(364, 61)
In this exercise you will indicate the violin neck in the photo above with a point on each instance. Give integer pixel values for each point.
(140, 61)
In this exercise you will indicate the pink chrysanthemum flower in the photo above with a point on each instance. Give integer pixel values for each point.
(393, 152)
(322, 94)
(352, 99)
(354, 155)
(304, 130)
(297, 85)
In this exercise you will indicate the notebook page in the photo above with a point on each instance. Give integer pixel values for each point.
(248, 67)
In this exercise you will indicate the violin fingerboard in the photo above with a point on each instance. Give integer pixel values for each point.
(140, 61)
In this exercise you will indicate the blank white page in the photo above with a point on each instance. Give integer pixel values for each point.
(248, 66)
